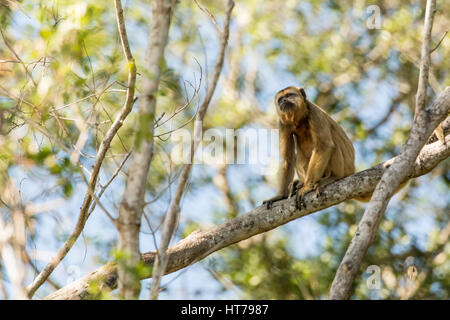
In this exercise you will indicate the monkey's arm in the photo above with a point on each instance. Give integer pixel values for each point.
(287, 153)
(286, 174)
(301, 165)
(321, 154)
(317, 165)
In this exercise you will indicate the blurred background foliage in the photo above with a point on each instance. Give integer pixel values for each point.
(62, 78)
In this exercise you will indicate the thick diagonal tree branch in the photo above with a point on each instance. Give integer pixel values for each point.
(202, 243)
(421, 129)
(174, 209)
(104, 147)
(133, 198)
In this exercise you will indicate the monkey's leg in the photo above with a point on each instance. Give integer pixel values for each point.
(287, 166)
(316, 168)
(300, 166)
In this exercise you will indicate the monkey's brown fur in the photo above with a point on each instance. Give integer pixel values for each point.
(311, 143)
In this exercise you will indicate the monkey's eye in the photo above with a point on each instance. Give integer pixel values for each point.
(289, 95)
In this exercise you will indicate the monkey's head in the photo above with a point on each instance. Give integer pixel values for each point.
(290, 102)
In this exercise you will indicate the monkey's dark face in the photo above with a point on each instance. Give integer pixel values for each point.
(290, 98)
(287, 102)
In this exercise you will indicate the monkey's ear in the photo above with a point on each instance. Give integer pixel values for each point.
(302, 91)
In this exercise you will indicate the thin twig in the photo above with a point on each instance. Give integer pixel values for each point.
(394, 105)
(103, 188)
(439, 43)
(210, 15)
(17, 56)
(188, 102)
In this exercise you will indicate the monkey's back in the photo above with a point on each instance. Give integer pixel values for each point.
(342, 162)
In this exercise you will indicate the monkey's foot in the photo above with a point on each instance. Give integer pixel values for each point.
(300, 196)
(269, 202)
(299, 201)
(319, 191)
(320, 186)
(294, 187)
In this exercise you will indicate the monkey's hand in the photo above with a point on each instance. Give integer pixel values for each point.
(270, 201)
(299, 196)
(294, 187)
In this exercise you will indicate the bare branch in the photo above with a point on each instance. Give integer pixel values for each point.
(221, 182)
(394, 105)
(439, 43)
(211, 17)
(177, 111)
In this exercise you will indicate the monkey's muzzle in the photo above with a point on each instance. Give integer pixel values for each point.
(285, 104)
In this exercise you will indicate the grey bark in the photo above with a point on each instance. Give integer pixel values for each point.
(133, 198)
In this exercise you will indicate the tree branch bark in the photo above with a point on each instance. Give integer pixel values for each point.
(202, 243)
(425, 121)
(133, 198)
